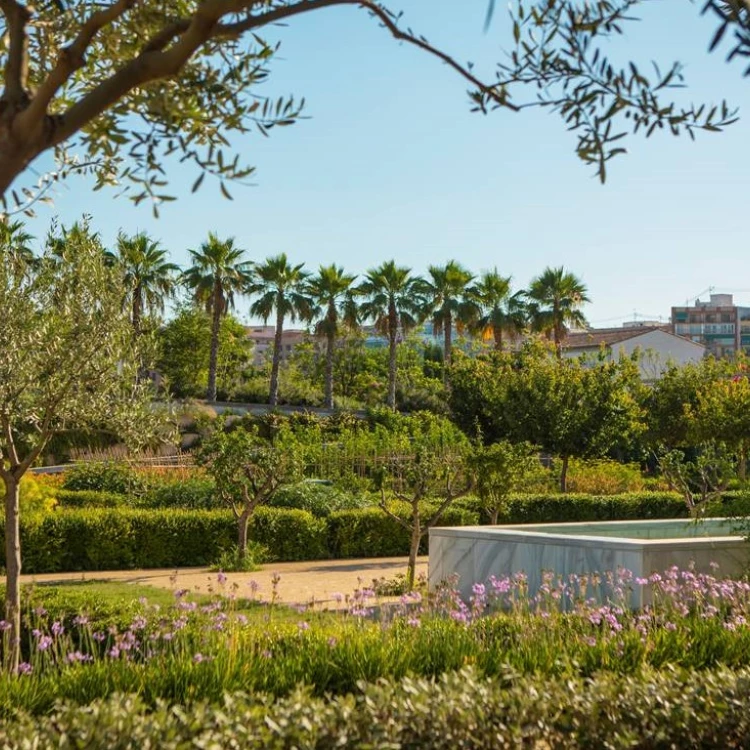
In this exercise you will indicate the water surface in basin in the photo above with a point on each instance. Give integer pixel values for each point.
(657, 530)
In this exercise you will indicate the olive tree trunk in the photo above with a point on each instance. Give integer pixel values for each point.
(12, 636)
(392, 352)
(243, 521)
(416, 538)
(564, 474)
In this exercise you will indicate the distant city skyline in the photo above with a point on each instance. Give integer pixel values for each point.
(393, 164)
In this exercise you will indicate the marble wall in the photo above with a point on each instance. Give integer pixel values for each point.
(475, 553)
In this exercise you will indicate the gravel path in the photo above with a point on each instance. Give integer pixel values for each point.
(298, 583)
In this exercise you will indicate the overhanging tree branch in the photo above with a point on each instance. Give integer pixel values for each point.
(16, 65)
(71, 59)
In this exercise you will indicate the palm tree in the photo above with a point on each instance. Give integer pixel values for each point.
(217, 274)
(280, 286)
(393, 302)
(556, 297)
(493, 294)
(15, 243)
(331, 292)
(149, 278)
(450, 301)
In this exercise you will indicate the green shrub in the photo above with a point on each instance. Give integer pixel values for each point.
(371, 533)
(106, 476)
(289, 534)
(112, 539)
(459, 709)
(91, 499)
(318, 498)
(198, 493)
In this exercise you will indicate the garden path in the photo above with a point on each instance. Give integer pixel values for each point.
(299, 582)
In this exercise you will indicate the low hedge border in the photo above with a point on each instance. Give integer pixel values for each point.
(460, 709)
(110, 538)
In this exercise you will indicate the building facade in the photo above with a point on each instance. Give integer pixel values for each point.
(720, 325)
(659, 347)
(263, 336)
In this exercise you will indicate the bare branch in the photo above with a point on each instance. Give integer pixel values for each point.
(384, 507)
(71, 58)
(160, 60)
(17, 64)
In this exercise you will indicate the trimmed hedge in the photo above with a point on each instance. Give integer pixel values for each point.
(108, 538)
(459, 709)
(371, 533)
(91, 499)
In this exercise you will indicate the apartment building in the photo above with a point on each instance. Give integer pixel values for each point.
(263, 336)
(720, 325)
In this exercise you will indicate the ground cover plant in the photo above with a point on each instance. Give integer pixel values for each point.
(200, 649)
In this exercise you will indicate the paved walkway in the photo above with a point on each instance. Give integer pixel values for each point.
(298, 583)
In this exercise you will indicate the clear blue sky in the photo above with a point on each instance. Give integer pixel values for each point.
(391, 163)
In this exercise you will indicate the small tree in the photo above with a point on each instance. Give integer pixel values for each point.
(247, 470)
(722, 412)
(698, 481)
(571, 408)
(430, 464)
(499, 469)
(69, 362)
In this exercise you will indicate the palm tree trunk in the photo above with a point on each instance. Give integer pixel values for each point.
(214, 355)
(273, 397)
(330, 342)
(137, 309)
(392, 351)
(447, 344)
(497, 332)
(12, 636)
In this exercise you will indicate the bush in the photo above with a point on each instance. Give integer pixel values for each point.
(106, 476)
(91, 499)
(318, 498)
(289, 534)
(458, 709)
(35, 496)
(112, 539)
(371, 533)
(198, 493)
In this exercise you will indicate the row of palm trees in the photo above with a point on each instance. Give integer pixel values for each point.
(393, 297)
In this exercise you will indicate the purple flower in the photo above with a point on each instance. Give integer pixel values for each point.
(40, 611)
(221, 578)
(99, 637)
(80, 620)
(57, 628)
(670, 626)
(139, 623)
(337, 597)
(4, 625)
(44, 643)
(24, 668)
(332, 642)
(266, 654)
(198, 658)
(413, 622)
(303, 625)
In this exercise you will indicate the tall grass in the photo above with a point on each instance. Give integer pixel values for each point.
(202, 649)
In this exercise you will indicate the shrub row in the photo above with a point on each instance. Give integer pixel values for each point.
(628, 506)
(105, 536)
(122, 538)
(462, 709)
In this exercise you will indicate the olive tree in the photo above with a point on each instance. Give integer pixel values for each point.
(247, 470)
(429, 464)
(69, 360)
(117, 87)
